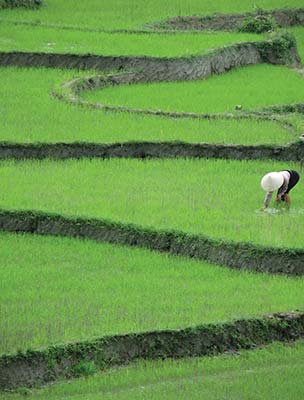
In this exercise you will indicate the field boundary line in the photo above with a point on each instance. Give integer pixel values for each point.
(29, 4)
(143, 150)
(280, 49)
(237, 255)
(37, 367)
(285, 17)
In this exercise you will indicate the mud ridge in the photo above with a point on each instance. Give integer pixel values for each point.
(142, 150)
(154, 69)
(38, 367)
(20, 4)
(229, 22)
(238, 255)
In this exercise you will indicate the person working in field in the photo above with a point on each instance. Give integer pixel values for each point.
(284, 181)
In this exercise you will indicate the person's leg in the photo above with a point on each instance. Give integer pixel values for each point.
(287, 199)
(294, 179)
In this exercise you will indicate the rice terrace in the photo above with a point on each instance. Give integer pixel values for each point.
(140, 258)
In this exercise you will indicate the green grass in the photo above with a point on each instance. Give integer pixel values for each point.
(41, 118)
(218, 198)
(245, 86)
(126, 14)
(60, 289)
(56, 40)
(270, 373)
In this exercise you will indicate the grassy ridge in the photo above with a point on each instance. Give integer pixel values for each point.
(126, 14)
(48, 120)
(270, 373)
(218, 198)
(245, 86)
(60, 289)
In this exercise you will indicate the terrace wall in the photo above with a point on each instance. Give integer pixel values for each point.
(231, 254)
(20, 3)
(230, 22)
(38, 367)
(19, 151)
(152, 69)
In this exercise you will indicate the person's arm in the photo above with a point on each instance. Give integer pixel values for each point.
(267, 199)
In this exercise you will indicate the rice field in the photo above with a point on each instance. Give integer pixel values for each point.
(270, 373)
(131, 14)
(244, 86)
(56, 40)
(55, 290)
(217, 198)
(36, 37)
(45, 119)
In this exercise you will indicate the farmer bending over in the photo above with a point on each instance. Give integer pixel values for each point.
(284, 181)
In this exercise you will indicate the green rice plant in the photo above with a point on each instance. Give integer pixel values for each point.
(41, 118)
(243, 86)
(269, 373)
(56, 39)
(217, 198)
(126, 14)
(55, 290)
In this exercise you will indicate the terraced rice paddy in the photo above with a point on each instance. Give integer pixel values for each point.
(217, 198)
(46, 120)
(67, 289)
(244, 86)
(131, 14)
(49, 40)
(59, 290)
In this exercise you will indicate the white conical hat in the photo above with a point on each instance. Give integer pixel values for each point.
(272, 181)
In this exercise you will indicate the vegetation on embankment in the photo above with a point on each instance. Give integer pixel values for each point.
(272, 372)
